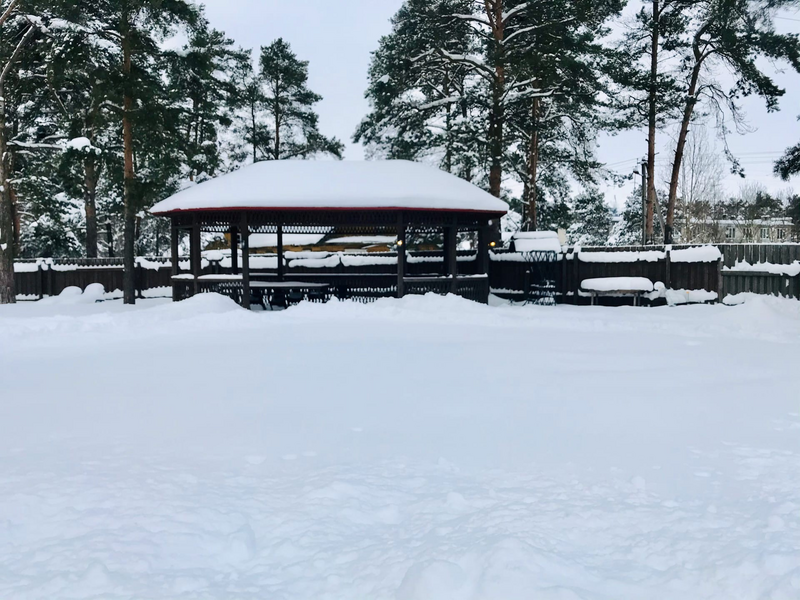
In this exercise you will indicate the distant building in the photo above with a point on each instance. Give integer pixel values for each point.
(774, 230)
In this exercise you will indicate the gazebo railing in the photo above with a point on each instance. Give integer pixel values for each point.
(474, 287)
(361, 287)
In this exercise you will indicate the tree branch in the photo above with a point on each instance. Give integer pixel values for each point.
(15, 56)
(7, 14)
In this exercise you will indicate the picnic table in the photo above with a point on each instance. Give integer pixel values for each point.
(617, 286)
(283, 293)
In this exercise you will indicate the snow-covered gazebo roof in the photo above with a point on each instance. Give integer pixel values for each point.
(334, 185)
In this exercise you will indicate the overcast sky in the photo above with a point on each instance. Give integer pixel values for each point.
(336, 37)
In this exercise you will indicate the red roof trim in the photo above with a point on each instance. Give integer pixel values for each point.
(329, 209)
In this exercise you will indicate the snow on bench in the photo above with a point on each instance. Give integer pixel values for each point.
(617, 286)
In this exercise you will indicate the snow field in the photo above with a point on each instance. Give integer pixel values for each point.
(415, 449)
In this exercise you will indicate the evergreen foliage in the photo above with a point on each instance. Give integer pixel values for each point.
(278, 121)
(591, 220)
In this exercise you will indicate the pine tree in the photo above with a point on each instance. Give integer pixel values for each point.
(651, 95)
(627, 231)
(789, 163)
(555, 109)
(83, 72)
(290, 106)
(26, 27)
(423, 109)
(731, 35)
(205, 81)
(148, 120)
(591, 217)
(252, 136)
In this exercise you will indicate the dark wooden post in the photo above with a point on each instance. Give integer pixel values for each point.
(139, 280)
(234, 250)
(401, 257)
(280, 252)
(245, 262)
(668, 269)
(483, 249)
(174, 245)
(174, 249)
(194, 253)
(451, 241)
(445, 251)
(40, 280)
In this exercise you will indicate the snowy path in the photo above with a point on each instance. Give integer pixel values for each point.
(424, 449)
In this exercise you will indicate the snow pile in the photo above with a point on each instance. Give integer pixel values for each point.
(94, 292)
(414, 449)
(378, 184)
(790, 270)
(682, 296)
(613, 284)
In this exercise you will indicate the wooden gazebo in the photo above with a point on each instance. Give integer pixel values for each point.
(402, 198)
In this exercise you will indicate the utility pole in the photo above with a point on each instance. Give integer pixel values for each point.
(644, 202)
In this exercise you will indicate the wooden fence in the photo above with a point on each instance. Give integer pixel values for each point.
(36, 279)
(49, 277)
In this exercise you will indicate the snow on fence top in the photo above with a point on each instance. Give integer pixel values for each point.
(698, 254)
(309, 184)
(687, 255)
(621, 257)
(790, 270)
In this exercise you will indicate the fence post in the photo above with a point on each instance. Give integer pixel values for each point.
(576, 274)
(51, 279)
(40, 279)
(139, 277)
(668, 268)
(720, 282)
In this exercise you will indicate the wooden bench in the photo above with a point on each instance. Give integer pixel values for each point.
(635, 287)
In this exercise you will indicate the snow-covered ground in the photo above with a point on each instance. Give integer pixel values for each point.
(423, 449)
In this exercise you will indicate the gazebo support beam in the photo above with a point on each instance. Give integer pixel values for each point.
(194, 253)
(280, 253)
(401, 257)
(245, 262)
(483, 249)
(451, 256)
(234, 250)
(174, 249)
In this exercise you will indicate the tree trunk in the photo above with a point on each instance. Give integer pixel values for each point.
(90, 205)
(494, 12)
(448, 148)
(533, 167)
(129, 242)
(651, 127)
(255, 138)
(688, 110)
(7, 289)
(277, 151)
(16, 214)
